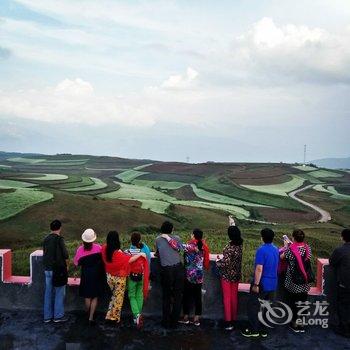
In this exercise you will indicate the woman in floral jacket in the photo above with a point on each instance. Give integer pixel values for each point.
(196, 255)
(230, 267)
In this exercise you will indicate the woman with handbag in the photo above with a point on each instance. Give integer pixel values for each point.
(138, 280)
(230, 267)
(92, 278)
(117, 266)
(299, 275)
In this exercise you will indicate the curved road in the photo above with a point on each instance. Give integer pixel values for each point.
(325, 215)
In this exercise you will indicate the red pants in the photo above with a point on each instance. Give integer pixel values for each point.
(230, 298)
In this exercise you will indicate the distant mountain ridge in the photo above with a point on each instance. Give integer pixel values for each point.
(333, 163)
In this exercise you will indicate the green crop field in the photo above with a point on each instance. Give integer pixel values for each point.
(142, 166)
(154, 205)
(158, 201)
(12, 203)
(76, 181)
(128, 191)
(65, 162)
(97, 185)
(238, 212)
(215, 197)
(164, 185)
(26, 160)
(14, 184)
(129, 175)
(45, 177)
(226, 187)
(279, 189)
(332, 191)
(305, 167)
(325, 173)
(312, 179)
(147, 192)
(170, 177)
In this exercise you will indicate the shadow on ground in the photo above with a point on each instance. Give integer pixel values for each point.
(25, 330)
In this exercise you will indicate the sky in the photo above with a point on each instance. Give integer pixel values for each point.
(243, 80)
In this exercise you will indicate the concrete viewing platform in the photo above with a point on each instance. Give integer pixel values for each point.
(22, 327)
(25, 330)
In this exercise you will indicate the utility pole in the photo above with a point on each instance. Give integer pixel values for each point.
(304, 155)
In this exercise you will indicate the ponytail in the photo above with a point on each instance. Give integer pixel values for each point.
(198, 235)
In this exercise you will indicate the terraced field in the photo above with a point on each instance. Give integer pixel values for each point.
(159, 202)
(97, 185)
(15, 184)
(325, 174)
(76, 182)
(279, 189)
(19, 199)
(247, 190)
(130, 191)
(332, 191)
(129, 175)
(215, 197)
(305, 167)
(139, 195)
(45, 177)
(26, 160)
(224, 186)
(164, 185)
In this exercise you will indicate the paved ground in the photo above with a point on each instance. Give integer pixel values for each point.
(325, 215)
(25, 330)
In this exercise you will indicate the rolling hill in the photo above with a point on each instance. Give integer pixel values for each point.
(130, 194)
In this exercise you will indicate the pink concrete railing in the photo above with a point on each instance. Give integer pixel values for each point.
(7, 277)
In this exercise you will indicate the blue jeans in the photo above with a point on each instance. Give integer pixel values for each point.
(54, 299)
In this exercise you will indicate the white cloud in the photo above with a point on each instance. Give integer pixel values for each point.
(184, 81)
(293, 52)
(74, 101)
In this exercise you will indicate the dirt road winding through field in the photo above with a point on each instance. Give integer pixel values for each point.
(325, 215)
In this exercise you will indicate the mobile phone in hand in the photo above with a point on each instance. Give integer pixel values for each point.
(286, 239)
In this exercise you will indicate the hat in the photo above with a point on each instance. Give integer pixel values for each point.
(88, 235)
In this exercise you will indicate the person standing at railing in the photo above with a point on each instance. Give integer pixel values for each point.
(299, 275)
(196, 256)
(56, 276)
(117, 266)
(264, 284)
(138, 280)
(230, 267)
(340, 261)
(93, 278)
(172, 276)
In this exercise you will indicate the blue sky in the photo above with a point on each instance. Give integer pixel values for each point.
(248, 80)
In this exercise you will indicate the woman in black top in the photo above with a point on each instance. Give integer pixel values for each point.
(92, 281)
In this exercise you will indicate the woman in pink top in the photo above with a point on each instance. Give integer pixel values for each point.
(92, 280)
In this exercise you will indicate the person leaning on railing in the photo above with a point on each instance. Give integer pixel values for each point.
(56, 276)
(230, 269)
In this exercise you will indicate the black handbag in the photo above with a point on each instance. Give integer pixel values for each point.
(59, 272)
(298, 277)
(136, 277)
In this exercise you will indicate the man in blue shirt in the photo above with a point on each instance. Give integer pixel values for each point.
(264, 282)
